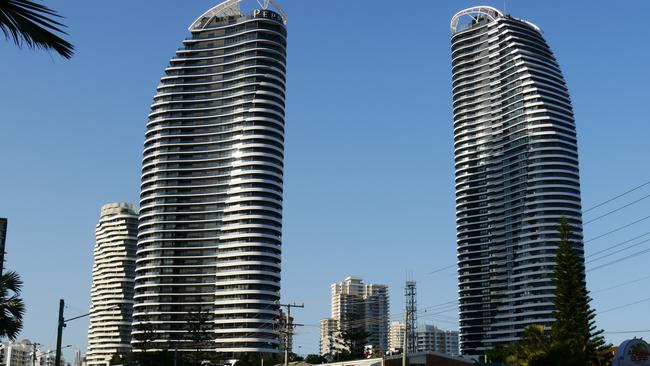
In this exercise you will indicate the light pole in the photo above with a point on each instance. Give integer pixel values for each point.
(34, 352)
(62, 323)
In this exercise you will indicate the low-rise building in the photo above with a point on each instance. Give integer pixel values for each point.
(22, 354)
(429, 338)
(427, 359)
(17, 353)
(331, 339)
(396, 332)
(434, 339)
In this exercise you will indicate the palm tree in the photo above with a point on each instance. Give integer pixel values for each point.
(12, 307)
(30, 23)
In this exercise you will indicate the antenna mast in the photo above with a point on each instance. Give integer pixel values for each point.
(411, 311)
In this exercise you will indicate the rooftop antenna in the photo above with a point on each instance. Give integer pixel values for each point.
(264, 4)
(504, 7)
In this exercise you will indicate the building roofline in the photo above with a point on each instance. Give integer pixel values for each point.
(231, 8)
(490, 12)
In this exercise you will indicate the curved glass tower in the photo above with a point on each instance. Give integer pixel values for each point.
(111, 295)
(516, 161)
(209, 243)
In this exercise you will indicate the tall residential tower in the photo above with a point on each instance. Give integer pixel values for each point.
(516, 160)
(111, 295)
(3, 239)
(209, 239)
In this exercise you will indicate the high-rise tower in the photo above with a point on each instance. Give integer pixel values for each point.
(516, 161)
(210, 229)
(111, 295)
(3, 239)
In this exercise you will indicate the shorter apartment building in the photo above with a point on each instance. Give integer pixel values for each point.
(22, 354)
(396, 332)
(331, 339)
(429, 338)
(356, 306)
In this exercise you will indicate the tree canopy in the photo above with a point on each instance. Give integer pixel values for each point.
(573, 339)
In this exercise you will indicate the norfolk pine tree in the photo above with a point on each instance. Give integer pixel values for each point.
(574, 336)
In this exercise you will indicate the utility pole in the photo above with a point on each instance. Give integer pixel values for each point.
(288, 331)
(410, 316)
(34, 353)
(59, 334)
(61, 324)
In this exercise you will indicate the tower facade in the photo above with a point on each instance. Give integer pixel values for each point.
(516, 162)
(111, 295)
(3, 239)
(210, 228)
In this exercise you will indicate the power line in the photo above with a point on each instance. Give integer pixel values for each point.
(442, 269)
(618, 251)
(629, 331)
(398, 316)
(633, 255)
(616, 197)
(624, 306)
(618, 209)
(617, 229)
(616, 245)
(621, 284)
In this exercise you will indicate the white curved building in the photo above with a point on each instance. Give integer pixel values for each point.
(516, 160)
(211, 195)
(111, 295)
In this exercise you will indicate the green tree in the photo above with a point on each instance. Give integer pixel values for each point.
(32, 24)
(146, 336)
(574, 335)
(499, 353)
(198, 327)
(532, 349)
(315, 359)
(12, 307)
(245, 360)
(574, 339)
(295, 357)
(354, 339)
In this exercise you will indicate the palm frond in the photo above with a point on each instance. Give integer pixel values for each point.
(30, 23)
(12, 308)
(10, 281)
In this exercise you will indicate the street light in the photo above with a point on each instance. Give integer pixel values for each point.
(33, 351)
(42, 354)
(62, 323)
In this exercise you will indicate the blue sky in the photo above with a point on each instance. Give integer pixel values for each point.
(369, 159)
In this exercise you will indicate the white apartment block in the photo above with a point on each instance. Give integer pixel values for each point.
(396, 336)
(111, 295)
(22, 354)
(356, 305)
(431, 338)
